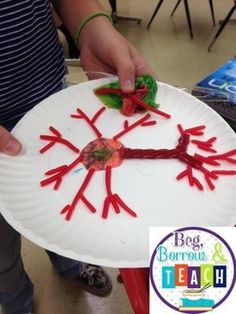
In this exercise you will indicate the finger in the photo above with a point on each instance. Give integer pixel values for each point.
(125, 68)
(8, 143)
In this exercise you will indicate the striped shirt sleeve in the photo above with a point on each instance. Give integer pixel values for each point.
(31, 57)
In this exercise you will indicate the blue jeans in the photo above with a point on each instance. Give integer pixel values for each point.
(16, 289)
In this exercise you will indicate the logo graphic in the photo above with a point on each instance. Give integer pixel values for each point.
(192, 270)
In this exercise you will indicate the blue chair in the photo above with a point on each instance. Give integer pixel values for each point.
(186, 11)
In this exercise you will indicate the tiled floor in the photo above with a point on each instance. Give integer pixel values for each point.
(178, 61)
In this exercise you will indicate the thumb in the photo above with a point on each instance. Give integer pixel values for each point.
(9, 145)
(125, 69)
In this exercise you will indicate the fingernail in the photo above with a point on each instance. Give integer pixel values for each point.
(128, 86)
(12, 148)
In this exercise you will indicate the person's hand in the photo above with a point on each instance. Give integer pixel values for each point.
(8, 143)
(103, 49)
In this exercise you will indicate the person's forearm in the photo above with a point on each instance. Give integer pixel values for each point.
(102, 48)
(73, 11)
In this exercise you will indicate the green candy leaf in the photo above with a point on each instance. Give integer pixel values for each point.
(111, 100)
(116, 101)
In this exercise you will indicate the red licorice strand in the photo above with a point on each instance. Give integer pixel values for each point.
(76, 116)
(183, 142)
(182, 175)
(105, 208)
(68, 211)
(224, 155)
(107, 90)
(49, 180)
(209, 182)
(130, 153)
(79, 194)
(88, 204)
(57, 184)
(126, 124)
(108, 188)
(47, 147)
(186, 139)
(62, 172)
(195, 133)
(224, 172)
(141, 94)
(198, 184)
(207, 160)
(128, 108)
(180, 128)
(212, 140)
(196, 128)
(115, 205)
(55, 131)
(97, 114)
(231, 160)
(69, 214)
(124, 206)
(65, 209)
(84, 184)
(108, 180)
(190, 175)
(132, 126)
(60, 140)
(204, 146)
(75, 163)
(209, 173)
(55, 170)
(190, 160)
(204, 143)
(230, 153)
(142, 90)
(143, 104)
(149, 123)
(206, 149)
(90, 123)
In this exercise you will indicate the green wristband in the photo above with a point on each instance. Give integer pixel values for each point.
(86, 20)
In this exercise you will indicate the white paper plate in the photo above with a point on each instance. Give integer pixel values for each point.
(150, 188)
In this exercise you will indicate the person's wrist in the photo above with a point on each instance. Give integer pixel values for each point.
(90, 22)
